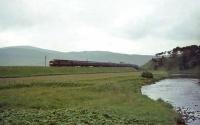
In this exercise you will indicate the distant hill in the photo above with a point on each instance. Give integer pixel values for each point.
(32, 56)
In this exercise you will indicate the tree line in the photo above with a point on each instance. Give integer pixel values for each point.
(185, 57)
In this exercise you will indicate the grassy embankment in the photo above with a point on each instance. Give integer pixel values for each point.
(172, 67)
(100, 98)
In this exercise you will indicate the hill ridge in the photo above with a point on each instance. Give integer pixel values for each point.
(34, 56)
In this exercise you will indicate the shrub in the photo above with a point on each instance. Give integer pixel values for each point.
(147, 74)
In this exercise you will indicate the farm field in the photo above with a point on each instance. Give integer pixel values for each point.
(104, 96)
(44, 71)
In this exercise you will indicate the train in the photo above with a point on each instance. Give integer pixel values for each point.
(78, 63)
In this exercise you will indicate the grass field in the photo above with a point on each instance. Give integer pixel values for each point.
(85, 99)
(42, 71)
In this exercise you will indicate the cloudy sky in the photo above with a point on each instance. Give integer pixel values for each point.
(125, 26)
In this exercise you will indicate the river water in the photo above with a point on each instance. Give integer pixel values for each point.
(182, 93)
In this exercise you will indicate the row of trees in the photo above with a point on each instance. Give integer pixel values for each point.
(186, 57)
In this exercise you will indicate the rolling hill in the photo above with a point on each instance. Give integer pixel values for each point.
(32, 56)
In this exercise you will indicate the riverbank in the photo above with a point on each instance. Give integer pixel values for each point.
(184, 75)
(166, 75)
(185, 113)
(100, 98)
(182, 93)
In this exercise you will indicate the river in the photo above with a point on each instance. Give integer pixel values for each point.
(182, 93)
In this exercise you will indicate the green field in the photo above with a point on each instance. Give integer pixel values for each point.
(42, 71)
(104, 96)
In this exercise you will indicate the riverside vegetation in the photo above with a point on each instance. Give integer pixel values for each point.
(104, 96)
(180, 60)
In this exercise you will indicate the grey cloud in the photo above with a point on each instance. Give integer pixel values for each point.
(187, 29)
(13, 14)
(17, 14)
(174, 20)
(141, 29)
(169, 20)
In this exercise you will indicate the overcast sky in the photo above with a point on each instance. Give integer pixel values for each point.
(124, 26)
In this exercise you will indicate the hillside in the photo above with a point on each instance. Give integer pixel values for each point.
(179, 60)
(32, 56)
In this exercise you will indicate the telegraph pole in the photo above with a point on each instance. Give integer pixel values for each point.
(45, 61)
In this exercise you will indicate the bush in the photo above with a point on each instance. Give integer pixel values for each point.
(147, 74)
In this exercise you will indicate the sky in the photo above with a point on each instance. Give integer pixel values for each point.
(123, 26)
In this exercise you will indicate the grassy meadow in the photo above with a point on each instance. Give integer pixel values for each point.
(80, 96)
(43, 71)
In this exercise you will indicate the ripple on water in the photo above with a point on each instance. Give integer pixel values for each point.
(182, 93)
